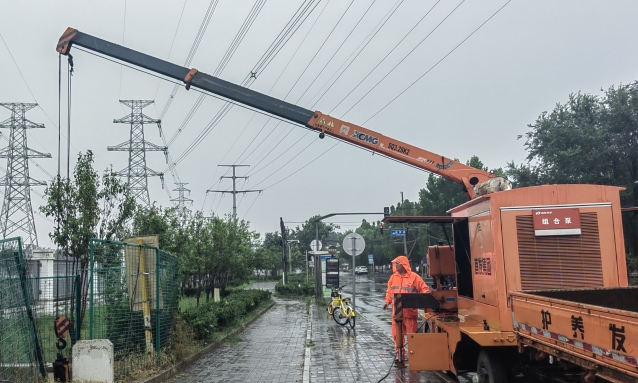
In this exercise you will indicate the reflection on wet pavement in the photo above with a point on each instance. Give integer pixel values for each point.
(365, 354)
(270, 350)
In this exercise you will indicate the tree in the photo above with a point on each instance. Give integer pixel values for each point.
(308, 232)
(83, 208)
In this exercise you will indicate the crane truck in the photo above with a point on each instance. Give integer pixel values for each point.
(534, 277)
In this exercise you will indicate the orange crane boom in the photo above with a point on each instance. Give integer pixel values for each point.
(470, 178)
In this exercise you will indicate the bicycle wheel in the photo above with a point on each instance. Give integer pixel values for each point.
(339, 316)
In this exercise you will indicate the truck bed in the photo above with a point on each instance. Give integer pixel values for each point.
(595, 327)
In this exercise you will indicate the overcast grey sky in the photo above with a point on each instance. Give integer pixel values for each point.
(530, 56)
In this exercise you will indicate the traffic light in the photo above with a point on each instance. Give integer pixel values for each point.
(381, 229)
(386, 211)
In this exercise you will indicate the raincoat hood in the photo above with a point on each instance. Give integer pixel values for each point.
(403, 260)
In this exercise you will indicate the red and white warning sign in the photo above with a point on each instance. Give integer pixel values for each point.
(556, 221)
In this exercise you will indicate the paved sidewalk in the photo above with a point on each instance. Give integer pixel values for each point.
(271, 349)
(363, 355)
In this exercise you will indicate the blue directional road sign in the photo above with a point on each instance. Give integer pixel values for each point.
(397, 233)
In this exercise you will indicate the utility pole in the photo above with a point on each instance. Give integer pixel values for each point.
(17, 212)
(234, 192)
(405, 237)
(284, 242)
(290, 252)
(181, 197)
(137, 172)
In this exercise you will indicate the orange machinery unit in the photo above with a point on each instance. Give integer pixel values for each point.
(538, 238)
(442, 268)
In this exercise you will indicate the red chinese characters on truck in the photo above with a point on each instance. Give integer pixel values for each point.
(556, 221)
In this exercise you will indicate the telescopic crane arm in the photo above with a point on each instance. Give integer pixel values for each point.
(470, 178)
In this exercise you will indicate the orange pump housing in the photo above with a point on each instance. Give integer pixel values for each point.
(497, 251)
(441, 261)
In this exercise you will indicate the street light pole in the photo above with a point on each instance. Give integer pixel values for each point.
(405, 235)
(317, 271)
(354, 288)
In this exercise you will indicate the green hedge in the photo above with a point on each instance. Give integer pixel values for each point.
(296, 286)
(207, 318)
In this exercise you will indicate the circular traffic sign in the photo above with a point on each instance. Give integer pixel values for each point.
(316, 245)
(332, 250)
(354, 244)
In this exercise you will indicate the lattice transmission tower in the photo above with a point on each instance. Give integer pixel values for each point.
(181, 196)
(17, 212)
(137, 172)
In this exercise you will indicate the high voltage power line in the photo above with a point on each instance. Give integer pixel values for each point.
(382, 23)
(412, 84)
(262, 64)
(316, 77)
(251, 152)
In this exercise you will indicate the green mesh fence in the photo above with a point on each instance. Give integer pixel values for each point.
(20, 351)
(132, 298)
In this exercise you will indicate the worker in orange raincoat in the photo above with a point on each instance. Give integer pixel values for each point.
(403, 280)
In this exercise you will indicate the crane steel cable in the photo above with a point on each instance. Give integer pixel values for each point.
(404, 57)
(438, 62)
(29, 88)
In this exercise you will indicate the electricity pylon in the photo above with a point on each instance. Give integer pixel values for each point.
(17, 212)
(181, 197)
(137, 172)
(234, 192)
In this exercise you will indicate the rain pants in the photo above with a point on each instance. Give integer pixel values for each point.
(409, 282)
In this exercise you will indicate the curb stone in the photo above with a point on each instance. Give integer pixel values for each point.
(306, 363)
(179, 367)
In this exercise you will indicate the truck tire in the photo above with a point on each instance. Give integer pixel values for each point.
(490, 367)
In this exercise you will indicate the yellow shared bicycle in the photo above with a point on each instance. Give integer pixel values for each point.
(340, 308)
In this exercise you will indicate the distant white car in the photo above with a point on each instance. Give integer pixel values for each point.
(361, 270)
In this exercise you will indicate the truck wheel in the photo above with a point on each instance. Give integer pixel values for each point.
(490, 368)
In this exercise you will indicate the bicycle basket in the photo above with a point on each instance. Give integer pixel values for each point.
(334, 294)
